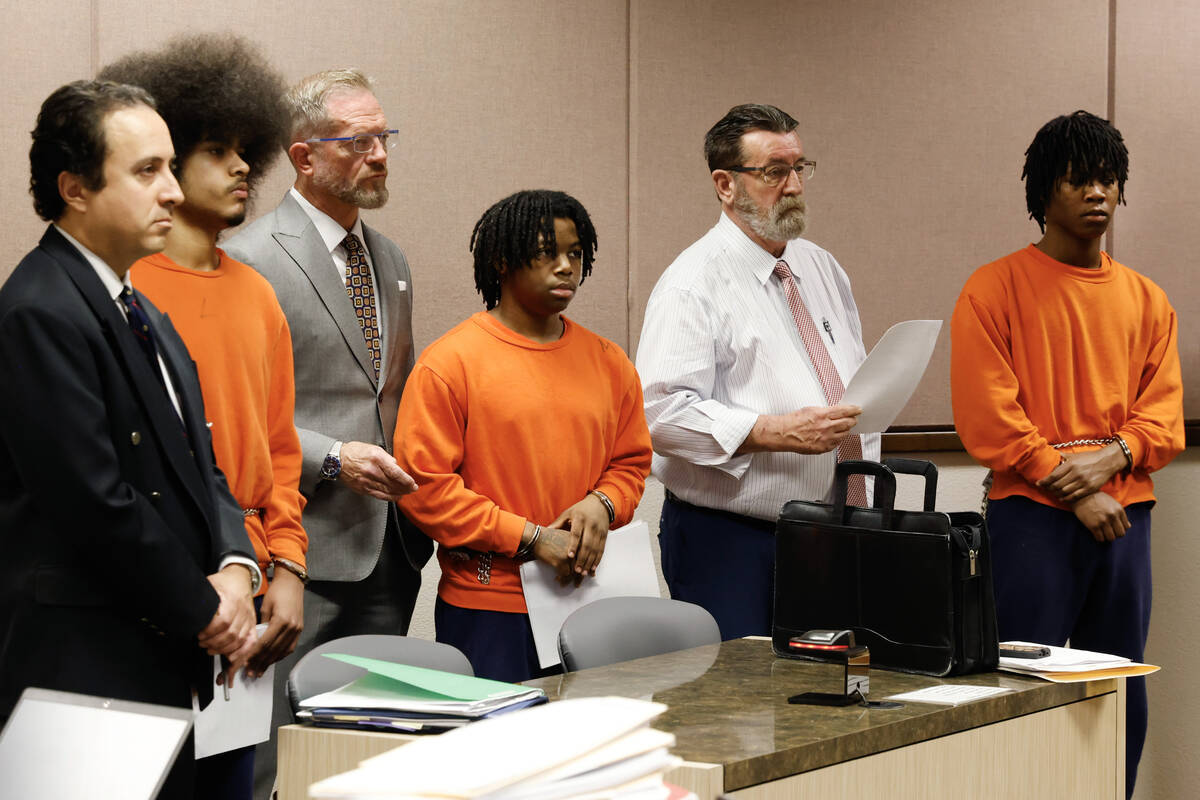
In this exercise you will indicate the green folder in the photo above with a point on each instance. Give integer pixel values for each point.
(431, 685)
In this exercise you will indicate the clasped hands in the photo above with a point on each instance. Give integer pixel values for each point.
(574, 542)
(1077, 482)
(230, 633)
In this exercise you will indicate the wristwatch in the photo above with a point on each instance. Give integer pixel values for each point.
(332, 467)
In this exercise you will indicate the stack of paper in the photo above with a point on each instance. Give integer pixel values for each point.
(588, 748)
(1066, 665)
(412, 699)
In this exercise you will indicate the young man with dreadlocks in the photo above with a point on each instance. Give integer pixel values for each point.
(523, 430)
(224, 107)
(1066, 384)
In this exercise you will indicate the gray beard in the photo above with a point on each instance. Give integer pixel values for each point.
(786, 220)
(348, 193)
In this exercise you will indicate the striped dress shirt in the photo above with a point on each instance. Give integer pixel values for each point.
(719, 347)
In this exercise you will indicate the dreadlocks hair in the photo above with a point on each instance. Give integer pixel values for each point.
(1081, 144)
(213, 87)
(510, 234)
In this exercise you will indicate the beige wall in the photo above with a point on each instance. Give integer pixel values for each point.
(918, 114)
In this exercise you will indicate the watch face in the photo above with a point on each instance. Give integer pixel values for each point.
(331, 468)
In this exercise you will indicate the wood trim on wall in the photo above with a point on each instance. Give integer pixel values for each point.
(944, 439)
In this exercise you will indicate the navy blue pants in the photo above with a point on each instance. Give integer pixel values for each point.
(499, 644)
(1055, 582)
(724, 562)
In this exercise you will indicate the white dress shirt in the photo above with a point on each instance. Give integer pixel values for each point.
(114, 286)
(332, 234)
(719, 347)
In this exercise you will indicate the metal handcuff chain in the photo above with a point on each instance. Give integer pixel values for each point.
(987, 479)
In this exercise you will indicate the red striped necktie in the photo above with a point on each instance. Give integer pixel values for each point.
(851, 446)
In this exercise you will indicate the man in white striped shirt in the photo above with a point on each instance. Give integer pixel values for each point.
(748, 340)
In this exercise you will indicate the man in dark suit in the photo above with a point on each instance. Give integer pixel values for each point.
(347, 295)
(124, 557)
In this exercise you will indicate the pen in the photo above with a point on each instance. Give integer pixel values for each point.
(225, 676)
(828, 329)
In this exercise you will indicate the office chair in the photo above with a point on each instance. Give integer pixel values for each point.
(624, 628)
(314, 674)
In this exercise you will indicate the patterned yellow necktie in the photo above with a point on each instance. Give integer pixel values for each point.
(362, 294)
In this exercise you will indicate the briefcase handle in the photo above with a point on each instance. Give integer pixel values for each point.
(885, 487)
(917, 466)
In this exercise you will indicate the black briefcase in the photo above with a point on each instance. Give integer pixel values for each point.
(914, 586)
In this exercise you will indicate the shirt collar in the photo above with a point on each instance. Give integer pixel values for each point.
(746, 251)
(112, 284)
(331, 232)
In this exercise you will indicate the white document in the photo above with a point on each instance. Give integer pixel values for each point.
(884, 382)
(626, 570)
(950, 695)
(1065, 659)
(492, 754)
(242, 720)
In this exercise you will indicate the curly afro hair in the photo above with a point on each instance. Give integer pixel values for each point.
(213, 87)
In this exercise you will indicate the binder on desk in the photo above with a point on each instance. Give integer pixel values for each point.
(412, 699)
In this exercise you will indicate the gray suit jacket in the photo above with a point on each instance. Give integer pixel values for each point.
(337, 394)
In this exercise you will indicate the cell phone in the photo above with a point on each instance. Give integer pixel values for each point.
(1024, 651)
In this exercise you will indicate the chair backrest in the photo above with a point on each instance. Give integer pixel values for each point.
(314, 674)
(623, 628)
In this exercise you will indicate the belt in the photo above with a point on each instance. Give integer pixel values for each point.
(742, 519)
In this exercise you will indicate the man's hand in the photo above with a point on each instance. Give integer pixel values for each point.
(283, 611)
(588, 521)
(811, 430)
(371, 470)
(231, 630)
(1101, 514)
(556, 547)
(1082, 474)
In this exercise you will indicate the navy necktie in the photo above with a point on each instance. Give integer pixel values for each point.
(139, 323)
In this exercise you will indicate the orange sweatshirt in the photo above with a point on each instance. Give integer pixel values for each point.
(237, 335)
(1045, 353)
(497, 429)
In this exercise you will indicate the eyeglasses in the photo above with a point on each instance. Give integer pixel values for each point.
(775, 174)
(364, 142)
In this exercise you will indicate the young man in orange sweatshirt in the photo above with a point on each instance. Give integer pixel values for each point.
(223, 106)
(523, 430)
(1066, 383)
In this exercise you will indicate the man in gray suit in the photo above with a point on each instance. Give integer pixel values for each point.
(347, 295)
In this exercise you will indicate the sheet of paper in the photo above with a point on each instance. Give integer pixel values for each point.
(886, 380)
(626, 570)
(1064, 659)
(241, 721)
(503, 751)
(949, 694)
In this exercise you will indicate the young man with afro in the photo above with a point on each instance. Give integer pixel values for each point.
(224, 108)
(523, 430)
(1066, 383)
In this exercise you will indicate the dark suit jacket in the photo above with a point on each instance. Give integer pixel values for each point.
(111, 515)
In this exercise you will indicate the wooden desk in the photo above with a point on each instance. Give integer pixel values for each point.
(737, 734)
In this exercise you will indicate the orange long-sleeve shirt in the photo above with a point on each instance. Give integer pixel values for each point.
(1046, 353)
(239, 338)
(497, 429)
